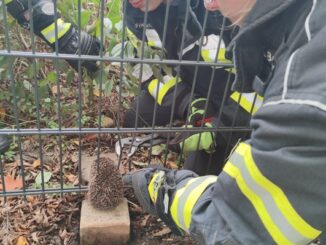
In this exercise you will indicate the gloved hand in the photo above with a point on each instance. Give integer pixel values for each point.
(197, 115)
(4, 144)
(88, 46)
(154, 188)
(190, 141)
(187, 141)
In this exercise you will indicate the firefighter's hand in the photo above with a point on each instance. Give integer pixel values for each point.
(89, 45)
(146, 183)
(198, 116)
(191, 141)
(154, 188)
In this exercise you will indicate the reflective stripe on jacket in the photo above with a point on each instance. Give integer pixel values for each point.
(271, 190)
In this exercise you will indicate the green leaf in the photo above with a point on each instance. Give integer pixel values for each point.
(114, 11)
(47, 177)
(84, 18)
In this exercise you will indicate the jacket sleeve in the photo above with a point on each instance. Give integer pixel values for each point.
(271, 189)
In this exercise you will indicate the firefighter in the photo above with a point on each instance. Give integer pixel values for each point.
(45, 21)
(271, 190)
(212, 149)
(45, 24)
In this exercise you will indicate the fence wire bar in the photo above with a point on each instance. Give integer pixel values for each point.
(40, 58)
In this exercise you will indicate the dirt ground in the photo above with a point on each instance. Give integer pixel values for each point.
(54, 219)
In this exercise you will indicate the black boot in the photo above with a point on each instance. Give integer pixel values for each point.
(4, 144)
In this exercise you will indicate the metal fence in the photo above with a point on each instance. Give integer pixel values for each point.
(25, 134)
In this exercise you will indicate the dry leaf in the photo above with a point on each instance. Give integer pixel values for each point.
(54, 89)
(97, 92)
(71, 177)
(12, 183)
(90, 137)
(162, 232)
(172, 165)
(106, 122)
(2, 113)
(21, 241)
(140, 164)
(76, 142)
(36, 163)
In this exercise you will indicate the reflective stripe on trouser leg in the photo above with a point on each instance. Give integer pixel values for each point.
(186, 198)
(273, 208)
(159, 89)
(247, 100)
(49, 32)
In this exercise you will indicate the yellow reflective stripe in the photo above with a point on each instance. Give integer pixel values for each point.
(246, 101)
(209, 55)
(279, 217)
(175, 203)
(152, 87)
(132, 38)
(272, 229)
(8, 1)
(49, 32)
(193, 198)
(162, 88)
(155, 184)
(278, 195)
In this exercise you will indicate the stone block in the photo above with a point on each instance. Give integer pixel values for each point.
(104, 227)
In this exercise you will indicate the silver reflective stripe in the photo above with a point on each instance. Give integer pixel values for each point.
(153, 39)
(183, 200)
(275, 213)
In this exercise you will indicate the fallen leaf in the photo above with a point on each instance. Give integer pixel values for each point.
(21, 241)
(46, 177)
(30, 199)
(162, 232)
(12, 183)
(144, 222)
(36, 163)
(97, 92)
(2, 113)
(157, 150)
(71, 177)
(107, 122)
(140, 164)
(172, 165)
(54, 89)
(90, 137)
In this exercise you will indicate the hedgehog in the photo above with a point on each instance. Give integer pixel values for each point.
(105, 185)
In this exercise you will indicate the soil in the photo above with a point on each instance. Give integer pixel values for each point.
(54, 219)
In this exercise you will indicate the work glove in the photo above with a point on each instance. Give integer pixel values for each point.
(154, 188)
(4, 144)
(197, 115)
(88, 46)
(192, 141)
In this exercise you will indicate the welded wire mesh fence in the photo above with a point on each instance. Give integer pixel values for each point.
(47, 106)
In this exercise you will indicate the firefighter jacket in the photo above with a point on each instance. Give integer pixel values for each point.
(188, 46)
(271, 190)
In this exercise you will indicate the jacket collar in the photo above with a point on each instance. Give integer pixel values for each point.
(248, 48)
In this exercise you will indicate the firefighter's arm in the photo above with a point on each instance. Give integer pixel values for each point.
(270, 191)
(50, 26)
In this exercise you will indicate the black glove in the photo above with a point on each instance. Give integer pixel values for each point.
(4, 144)
(154, 188)
(88, 46)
